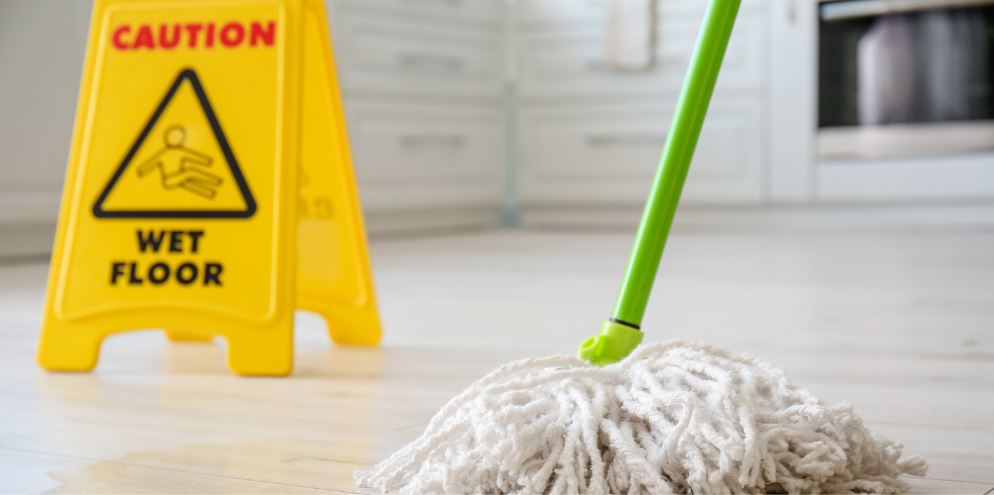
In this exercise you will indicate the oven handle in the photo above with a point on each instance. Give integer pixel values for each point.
(854, 9)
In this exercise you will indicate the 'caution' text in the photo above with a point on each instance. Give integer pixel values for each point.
(203, 35)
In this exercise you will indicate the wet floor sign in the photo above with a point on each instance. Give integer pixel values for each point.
(209, 189)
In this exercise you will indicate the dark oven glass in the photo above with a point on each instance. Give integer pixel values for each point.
(880, 66)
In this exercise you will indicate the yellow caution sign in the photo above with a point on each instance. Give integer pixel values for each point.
(210, 188)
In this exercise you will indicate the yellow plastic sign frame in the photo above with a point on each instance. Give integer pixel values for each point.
(204, 228)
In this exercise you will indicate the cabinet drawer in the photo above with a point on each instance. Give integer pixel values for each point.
(381, 56)
(414, 155)
(568, 60)
(469, 10)
(538, 11)
(556, 11)
(610, 154)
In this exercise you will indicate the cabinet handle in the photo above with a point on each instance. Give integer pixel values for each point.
(596, 64)
(429, 60)
(633, 139)
(453, 141)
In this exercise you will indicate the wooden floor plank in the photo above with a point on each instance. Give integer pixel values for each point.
(899, 325)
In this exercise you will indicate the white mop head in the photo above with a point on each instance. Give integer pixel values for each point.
(671, 418)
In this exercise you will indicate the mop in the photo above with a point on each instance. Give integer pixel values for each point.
(671, 417)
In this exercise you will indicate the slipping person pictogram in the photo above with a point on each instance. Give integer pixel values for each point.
(182, 167)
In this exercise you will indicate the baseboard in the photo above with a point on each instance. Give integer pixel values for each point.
(33, 238)
(426, 221)
(792, 218)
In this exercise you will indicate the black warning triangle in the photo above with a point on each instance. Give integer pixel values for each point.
(187, 75)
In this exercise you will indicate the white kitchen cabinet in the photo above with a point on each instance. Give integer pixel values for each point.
(590, 137)
(545, 12)
(485, 12)
(447, 100)
(427, 156)
(608, 154)
(422, 82)
(379, 55)
(41, 57)
(423, 85)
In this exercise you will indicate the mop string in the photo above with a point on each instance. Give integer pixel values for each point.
(673, 417)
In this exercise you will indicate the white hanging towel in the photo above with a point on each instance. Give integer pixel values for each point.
(630, 34)
(886, 62)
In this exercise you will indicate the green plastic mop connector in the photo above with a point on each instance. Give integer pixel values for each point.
(612, 345)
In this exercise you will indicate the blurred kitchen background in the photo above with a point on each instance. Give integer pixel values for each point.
(550, 114)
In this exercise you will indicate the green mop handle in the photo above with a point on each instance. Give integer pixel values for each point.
(622, 333)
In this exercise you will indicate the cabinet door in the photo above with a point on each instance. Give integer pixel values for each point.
(427, 156)
(488, 11)
(609, 154)
(533, 13)
(383, 56)
(41, 59)
(567, 60)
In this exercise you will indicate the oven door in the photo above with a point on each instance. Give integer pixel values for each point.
(899, 78)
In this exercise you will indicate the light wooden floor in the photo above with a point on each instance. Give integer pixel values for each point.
(900, 325)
